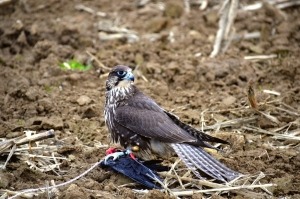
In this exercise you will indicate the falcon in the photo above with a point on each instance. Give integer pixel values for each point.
(141, 126)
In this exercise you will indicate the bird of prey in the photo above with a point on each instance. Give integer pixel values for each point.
(140, 125)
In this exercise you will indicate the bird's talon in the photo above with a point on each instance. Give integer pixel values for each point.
(114, 155)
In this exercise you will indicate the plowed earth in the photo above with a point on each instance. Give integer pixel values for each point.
(36, 94)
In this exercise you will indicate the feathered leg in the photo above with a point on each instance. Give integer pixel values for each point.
(196, 158)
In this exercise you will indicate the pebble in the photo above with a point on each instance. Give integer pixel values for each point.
(32, 93)
(54, 122)
(83, 100)
(228, 101)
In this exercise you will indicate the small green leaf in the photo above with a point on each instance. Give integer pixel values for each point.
(74, 65)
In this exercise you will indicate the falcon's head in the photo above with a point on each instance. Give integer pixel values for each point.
(119, 77)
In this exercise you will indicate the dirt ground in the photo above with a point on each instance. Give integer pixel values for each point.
(36, 94)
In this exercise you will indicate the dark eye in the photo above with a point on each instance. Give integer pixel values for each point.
(121, 73)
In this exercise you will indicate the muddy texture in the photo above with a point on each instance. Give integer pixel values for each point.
(36, 94)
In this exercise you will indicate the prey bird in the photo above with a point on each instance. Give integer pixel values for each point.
(141, 126)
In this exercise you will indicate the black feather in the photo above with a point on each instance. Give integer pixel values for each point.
(134, 170)
(155, 165)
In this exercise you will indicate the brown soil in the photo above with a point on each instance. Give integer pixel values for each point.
(35, 94)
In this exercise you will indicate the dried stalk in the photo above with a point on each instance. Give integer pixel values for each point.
(31, 192)
(228, 13)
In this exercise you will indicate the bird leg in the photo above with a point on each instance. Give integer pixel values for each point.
(110, 150)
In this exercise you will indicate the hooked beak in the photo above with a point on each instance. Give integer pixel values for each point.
(129, 76)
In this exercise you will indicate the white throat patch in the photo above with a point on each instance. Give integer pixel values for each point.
(118, 93)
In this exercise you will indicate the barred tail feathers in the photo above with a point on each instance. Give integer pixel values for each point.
(196, 158)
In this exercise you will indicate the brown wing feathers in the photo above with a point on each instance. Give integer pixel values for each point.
(151, 124)
(202, 138)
